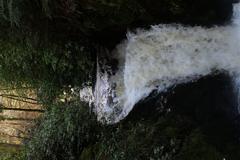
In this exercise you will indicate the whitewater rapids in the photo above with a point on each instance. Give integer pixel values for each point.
(162, 57)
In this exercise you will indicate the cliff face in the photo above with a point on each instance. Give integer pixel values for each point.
(106, 22)
(110, 21)
(16, 115)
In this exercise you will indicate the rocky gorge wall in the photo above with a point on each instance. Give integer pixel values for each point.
(17, 115)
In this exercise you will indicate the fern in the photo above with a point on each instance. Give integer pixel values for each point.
(45, 8)
(9, 11)
(1, 8)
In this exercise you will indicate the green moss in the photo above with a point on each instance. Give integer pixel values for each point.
(11, 152)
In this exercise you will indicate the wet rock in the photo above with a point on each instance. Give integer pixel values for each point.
(208, 104)
(208, 100)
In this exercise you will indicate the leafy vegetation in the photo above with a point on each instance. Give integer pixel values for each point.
(54, 43)
(72, 132)
(63, 133)
(48, 69)
(51, 46)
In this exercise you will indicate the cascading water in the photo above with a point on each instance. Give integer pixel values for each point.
(162, 57)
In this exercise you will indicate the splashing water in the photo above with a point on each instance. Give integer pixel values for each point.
(162, 57)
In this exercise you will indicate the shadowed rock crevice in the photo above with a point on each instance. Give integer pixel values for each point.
(209, 98)
(209, 103)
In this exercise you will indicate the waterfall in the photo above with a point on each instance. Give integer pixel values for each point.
(164, 56)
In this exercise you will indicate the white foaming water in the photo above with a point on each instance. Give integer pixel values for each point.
(162, 57)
